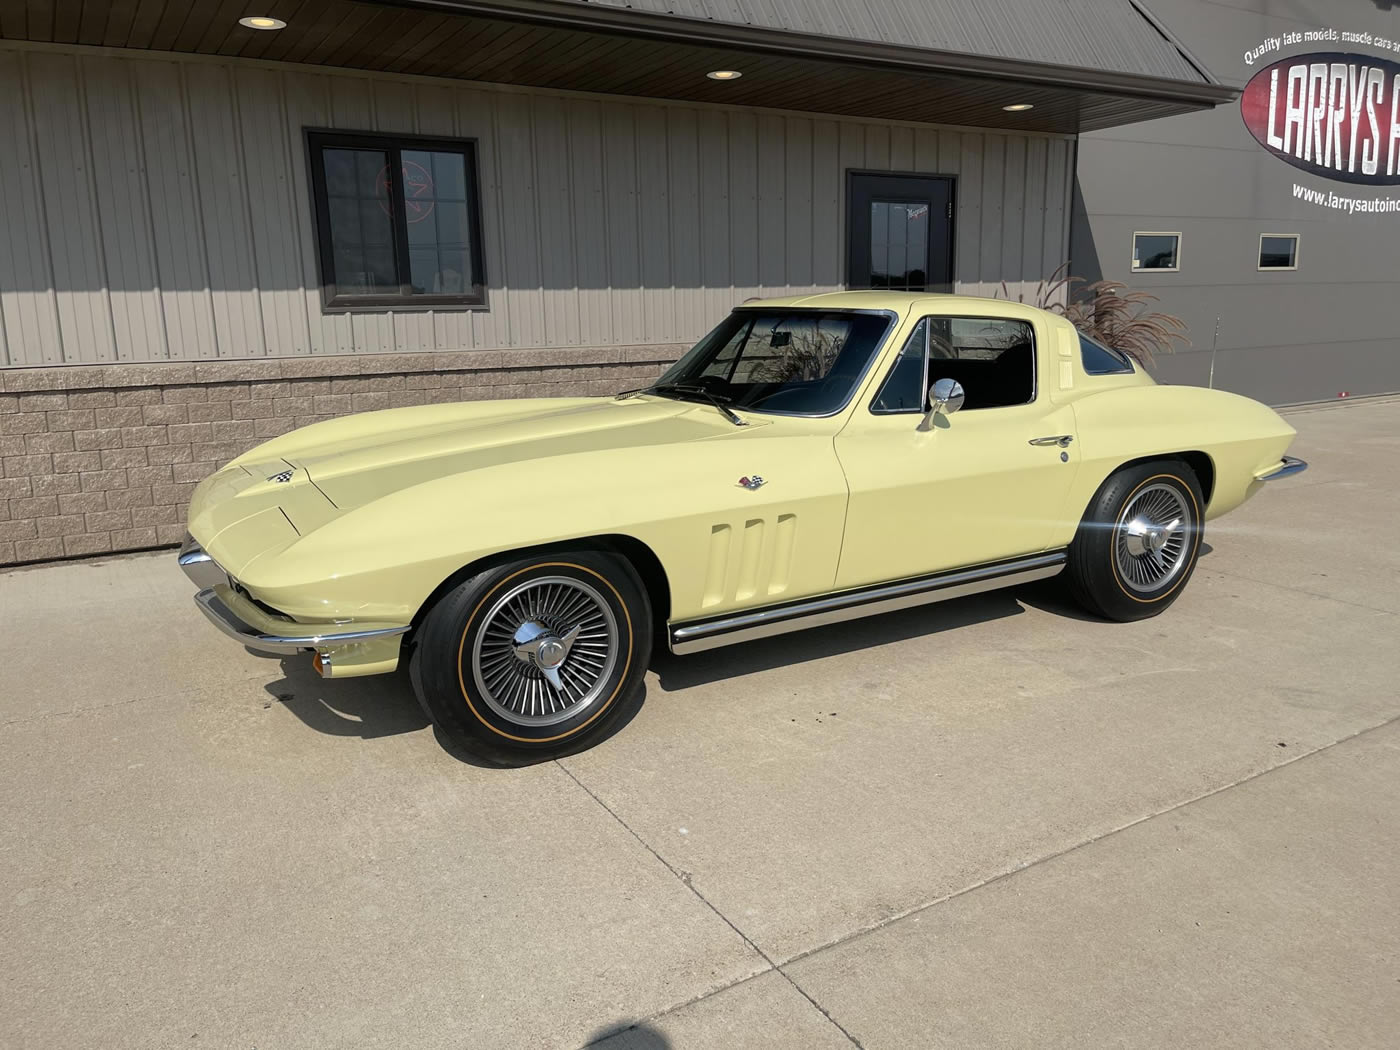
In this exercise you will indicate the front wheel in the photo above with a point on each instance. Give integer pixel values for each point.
(538, 655)
(1138, 542)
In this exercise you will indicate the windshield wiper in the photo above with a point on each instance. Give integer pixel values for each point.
(686, 388)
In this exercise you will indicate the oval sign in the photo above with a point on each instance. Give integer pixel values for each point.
(1330, 114)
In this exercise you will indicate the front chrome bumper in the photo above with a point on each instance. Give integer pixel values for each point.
(226, 620)
(243, 621)
(202, 570)
(1289, 466)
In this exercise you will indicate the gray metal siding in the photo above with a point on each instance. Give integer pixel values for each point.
(1333, 324)
(158, 208)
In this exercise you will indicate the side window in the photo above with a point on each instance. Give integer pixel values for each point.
(904, 389)
(1099, 360)
(992, 357)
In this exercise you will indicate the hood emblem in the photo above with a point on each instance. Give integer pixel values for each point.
(752, 482)
(283, 476)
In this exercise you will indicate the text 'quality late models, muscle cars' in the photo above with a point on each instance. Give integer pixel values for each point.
(812, 459)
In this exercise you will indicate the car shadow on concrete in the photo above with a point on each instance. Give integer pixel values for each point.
(1052, 596)
(683, 672)
(386, 705)
(372, 707)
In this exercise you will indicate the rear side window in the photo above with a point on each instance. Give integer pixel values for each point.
(1099, 360)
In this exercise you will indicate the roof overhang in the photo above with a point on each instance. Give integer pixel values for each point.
(616, 50)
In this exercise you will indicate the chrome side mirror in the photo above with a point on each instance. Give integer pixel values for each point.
(945, 396)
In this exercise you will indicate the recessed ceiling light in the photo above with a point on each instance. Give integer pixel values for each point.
(262, 22)
(724, 74)
(1019, 107)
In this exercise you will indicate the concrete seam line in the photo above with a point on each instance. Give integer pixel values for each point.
(685, 881)
(1073, 847)
(679, 1006)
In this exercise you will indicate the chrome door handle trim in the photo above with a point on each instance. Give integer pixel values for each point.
(1062, 440)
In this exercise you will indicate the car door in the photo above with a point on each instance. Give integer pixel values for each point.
(984, 483)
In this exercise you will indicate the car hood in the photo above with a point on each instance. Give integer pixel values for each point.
(369, 456)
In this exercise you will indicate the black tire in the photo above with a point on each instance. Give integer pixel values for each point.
(1113, 570)
(484, 695)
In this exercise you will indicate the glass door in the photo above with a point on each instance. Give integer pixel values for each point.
(899, 232)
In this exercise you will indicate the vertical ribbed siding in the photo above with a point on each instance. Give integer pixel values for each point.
(158, 208)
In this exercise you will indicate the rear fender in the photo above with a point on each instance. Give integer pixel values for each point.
(1239, 436)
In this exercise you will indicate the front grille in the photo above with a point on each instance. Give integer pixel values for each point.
(274, 613)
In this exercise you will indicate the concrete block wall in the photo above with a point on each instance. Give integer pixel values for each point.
(103, 458)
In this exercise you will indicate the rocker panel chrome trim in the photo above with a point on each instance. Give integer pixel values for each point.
(699, 635)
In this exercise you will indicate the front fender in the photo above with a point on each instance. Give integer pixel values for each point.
(721, 544)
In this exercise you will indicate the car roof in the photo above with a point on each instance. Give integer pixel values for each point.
(900, 302)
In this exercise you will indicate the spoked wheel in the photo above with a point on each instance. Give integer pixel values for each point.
(539, 655)
(1151, 538)
(1138, 542)
(545, 651)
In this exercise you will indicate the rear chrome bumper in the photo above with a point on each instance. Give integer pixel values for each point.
(1289, 466)
(226, 620)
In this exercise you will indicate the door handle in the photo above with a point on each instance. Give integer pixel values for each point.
(1062, 440)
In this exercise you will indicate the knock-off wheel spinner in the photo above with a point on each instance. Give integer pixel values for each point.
(538, 646)
(546, 650)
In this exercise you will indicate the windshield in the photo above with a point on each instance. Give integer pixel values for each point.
(782, 360)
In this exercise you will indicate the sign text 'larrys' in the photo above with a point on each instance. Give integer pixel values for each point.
(1330, 114)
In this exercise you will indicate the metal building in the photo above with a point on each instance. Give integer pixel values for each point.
(223, 221)
(1282, 261)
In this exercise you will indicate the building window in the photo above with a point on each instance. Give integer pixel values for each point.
(1157, 251)
(398, 221)
(1278, 251)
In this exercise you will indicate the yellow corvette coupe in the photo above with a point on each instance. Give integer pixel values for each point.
(812, 459)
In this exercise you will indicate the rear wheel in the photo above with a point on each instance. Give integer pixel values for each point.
(538, 655)
(1138, 542)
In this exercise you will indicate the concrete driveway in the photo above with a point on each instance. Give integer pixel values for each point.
(988, 823)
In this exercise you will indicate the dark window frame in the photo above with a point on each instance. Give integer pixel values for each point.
(857, 229)
(320, 139)
(873, 406)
